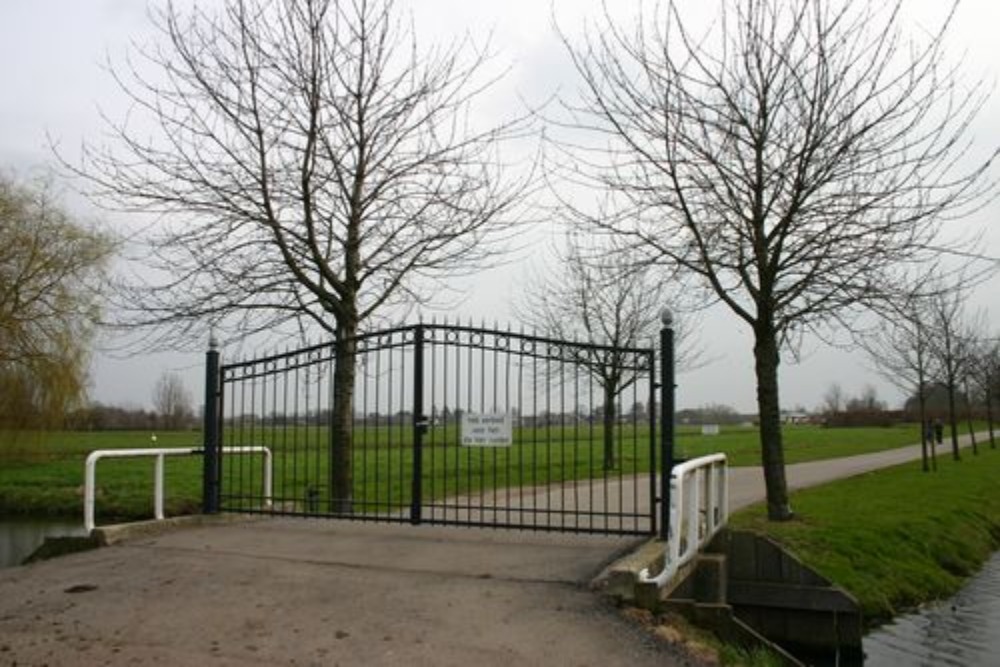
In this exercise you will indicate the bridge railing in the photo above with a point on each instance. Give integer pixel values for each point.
(90, 473)
(699, 493)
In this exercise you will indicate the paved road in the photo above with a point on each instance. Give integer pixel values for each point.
(300, 592)
(746, 485)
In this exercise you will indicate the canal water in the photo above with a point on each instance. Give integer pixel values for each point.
(963, 631)
(19, 537)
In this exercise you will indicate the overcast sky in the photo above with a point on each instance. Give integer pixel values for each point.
(53, 83)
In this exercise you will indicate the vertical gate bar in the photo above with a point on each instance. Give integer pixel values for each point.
(432, 422)
(389, 421)
(210, 457)
(562, 441)
(446, 414)
(376, 491)
(591, 435)
(319, 446)
(404, 427)
(300, 487)
(651, 412)
(419, 424)
(482, 409)
(284, 495)
(495, 408)
(576, 443)
(513, 427)
(363, 364)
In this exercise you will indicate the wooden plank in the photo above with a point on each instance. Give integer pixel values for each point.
(786, 596)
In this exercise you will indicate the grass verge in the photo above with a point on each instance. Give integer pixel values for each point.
(896, 537)
(42, 474)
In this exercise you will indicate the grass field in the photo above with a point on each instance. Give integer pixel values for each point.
(897, 537)
(43, 474)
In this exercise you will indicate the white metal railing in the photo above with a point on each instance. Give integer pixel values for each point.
(90, 473)
(699, 508)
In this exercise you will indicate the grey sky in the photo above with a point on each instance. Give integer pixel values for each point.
(53, 82)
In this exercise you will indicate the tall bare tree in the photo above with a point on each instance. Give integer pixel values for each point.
(833, 399)
(602, 298)
(311, 164)
(951, 345)
(987, 376)
(794, 158)
(901, 351)
(52, 270)
(172, 401)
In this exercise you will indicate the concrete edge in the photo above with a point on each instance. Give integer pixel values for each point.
(619, 579)
(117, 533)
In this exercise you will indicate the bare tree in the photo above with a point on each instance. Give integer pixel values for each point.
(314, 166)
(795, 159)
(172, 402)
(988, 378)
(52, 269)
(951, 344)
(833, 399)
(900, 349)
(603, 299)
(977, 377)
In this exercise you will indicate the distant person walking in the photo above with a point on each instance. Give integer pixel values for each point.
(938, 431)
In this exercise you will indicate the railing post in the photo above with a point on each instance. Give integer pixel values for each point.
(158, 487)
(210, 458)
(666, 419)
(419, 425)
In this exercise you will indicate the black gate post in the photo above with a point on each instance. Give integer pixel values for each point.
(419, 425)
(210, 492)
(666, 419)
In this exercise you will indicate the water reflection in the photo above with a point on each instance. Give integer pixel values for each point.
(20, 537)
(963, 631)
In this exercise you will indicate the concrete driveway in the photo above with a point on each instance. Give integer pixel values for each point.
(316, 592)
(312, 592)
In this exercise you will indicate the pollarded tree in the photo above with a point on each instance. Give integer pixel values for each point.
(311, 164)
(52, 270)
(794, 158)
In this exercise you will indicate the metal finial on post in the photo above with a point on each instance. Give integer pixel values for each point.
(667, 317)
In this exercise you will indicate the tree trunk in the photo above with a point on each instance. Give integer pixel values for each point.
(989, 417)
(968, 420)
(609, 426)
(953, 419)
(925, 429)
(768, 405)
(342, 420)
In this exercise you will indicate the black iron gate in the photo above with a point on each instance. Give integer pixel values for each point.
(451, 425)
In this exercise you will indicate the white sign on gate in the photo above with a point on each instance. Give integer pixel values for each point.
(486, 429)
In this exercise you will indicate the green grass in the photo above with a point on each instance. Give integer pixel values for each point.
(43, 474)
(896, 537)
(802, 443)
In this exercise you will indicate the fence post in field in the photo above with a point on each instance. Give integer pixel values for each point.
(419, 425)
(210, 458)
(666, 418)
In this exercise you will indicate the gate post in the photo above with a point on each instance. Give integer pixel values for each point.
(210, 458)
(666, 419)
(419, 425)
